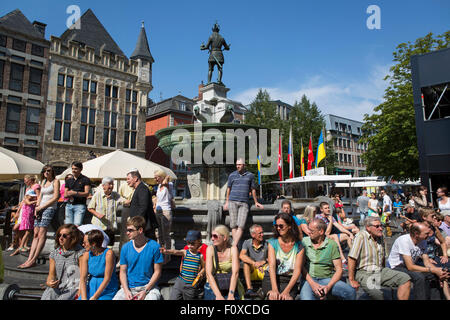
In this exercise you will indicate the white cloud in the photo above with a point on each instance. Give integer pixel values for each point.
(347, 98)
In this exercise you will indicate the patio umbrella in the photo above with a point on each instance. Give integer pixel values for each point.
(14, 165)
(117, 164)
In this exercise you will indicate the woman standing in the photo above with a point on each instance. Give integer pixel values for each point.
(228, 258)
(45, 210)
(373, 205)
(99, 264)
(285, 257)
(163, 209)
(64, 273)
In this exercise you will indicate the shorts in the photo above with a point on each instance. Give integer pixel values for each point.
(238, 214)
(45, 219)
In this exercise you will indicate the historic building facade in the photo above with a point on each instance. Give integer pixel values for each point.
(97, 97)
(24, 69)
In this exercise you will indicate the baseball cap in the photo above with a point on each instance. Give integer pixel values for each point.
(193, 235)
(31, 193)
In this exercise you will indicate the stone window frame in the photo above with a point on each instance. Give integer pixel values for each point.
(2, 69)
(130, 120)
(65, 122)
(15, 80)
(10, 122)
(32, 84)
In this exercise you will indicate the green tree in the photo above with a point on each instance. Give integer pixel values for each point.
(305, 119)
(390, 131)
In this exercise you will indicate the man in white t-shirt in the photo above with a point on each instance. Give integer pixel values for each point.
(406, 251)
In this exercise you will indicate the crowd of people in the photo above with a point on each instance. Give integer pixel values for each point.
(303, 259)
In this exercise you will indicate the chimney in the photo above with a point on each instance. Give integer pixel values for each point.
(200, 94)
(40, 27)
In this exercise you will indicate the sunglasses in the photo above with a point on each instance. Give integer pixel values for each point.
(377, 226)
(64, 235)
(131, 230)
(215, 236)
(280, 226)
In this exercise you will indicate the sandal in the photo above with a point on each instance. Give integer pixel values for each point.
(15, 252)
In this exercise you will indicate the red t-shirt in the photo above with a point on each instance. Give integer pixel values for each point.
(202, 250)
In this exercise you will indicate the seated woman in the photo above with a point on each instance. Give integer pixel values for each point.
(285, 255)
(100, 264)
(228, 263)
(341, 216)
(64, 273)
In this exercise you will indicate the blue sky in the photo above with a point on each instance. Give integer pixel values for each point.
(322, 49)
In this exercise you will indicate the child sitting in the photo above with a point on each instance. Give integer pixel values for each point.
(192, 266)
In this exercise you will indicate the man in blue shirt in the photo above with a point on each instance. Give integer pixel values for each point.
(140, 264)
(240, 183)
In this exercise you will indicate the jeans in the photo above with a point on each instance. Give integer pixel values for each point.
(340, 289)
(362, 217)
(75, 213)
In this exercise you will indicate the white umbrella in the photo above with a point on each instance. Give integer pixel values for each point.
(117, 164)
(14, 165)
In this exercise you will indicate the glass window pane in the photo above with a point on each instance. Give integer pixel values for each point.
(60, 80)
(91, 116)
(91, 135)
(66, 134)
(133, 123)
(126, 139)
(112, 140)
(83, 134)
(105, 137)
(93, 87)
(68, 112)
(32, 129)
(57, 133)
(33, 115)
(127, 122)
(114, 120)
(106, 120)
(85, 85)
(133, 140)
(84, 114)
(30, 152)
(128, 95)
(59, 110)
(108, 91)
(134, 96)
(69, 81)
(19, 45)
(115, 91)
(13, 112)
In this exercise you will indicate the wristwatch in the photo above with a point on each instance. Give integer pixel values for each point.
(231, 291)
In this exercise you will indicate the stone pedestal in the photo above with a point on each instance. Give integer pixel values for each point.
(208, 182)
(214, 107)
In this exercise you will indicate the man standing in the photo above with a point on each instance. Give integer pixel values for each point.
(363, 205)
(141, 203)
(140, 264)
(387, 210)
(405, 253)
(323, 268)
(76, 190)
(366, 264)
(240, 183)
(254, 257)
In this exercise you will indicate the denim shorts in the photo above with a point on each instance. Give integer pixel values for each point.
(45, 219)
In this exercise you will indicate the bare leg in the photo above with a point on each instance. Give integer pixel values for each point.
(40, 242)
(446, 289)
(237, 234)
(247, 272)
(336, 239)
(403, 291)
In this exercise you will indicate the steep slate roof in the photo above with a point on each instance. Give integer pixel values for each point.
(93, 34)
(169, 105)
(142, 49)
(16, 21)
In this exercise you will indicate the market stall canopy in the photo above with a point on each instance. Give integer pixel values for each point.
(368, 184)
(14, 165)
(117, 164)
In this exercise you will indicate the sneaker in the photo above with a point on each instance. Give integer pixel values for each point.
(260, 294)
(10, 248)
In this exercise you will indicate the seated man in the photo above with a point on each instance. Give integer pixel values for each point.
(405, 253)
(366, 264)
(323, 266)
(334, 230)
(254, 257)
(140, 264)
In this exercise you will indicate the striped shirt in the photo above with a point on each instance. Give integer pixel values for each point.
(190, 267)
(241, 185)
(107, 206)
(368, 252)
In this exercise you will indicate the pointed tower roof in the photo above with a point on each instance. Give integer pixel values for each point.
(15, 20)
(93, 34)
(142, 49)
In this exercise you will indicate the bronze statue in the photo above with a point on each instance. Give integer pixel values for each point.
(214, 45)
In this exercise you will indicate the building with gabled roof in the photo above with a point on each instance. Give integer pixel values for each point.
(24, 66)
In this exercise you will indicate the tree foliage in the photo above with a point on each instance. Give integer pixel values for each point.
(391, 130)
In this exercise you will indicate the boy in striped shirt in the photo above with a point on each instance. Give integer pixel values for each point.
(192, 265)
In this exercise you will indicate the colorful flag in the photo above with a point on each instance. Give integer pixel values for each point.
(302, 161)
(320, 155)
(280, 161)
(291, 155)
(259, 170)
(310, 154)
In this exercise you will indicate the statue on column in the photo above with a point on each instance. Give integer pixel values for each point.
(214, 46)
